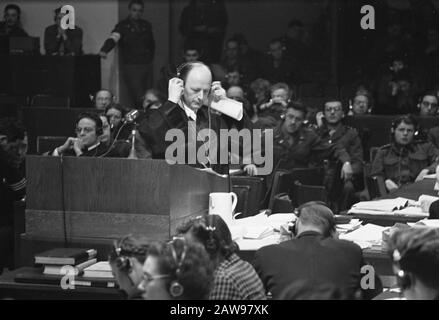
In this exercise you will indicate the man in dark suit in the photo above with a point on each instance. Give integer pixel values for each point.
(188, 95)
(314, 257)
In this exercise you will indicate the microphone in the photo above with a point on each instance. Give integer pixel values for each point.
(132, 116)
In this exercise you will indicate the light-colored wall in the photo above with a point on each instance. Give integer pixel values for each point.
(96, 18)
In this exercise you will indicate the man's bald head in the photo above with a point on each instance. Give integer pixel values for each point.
(197, 79)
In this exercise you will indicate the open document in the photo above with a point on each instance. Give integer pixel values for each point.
(397, 206)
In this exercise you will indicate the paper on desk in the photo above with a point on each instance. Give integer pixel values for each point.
(431, 223)
(251, 244)
(386, 205)
(348, 227)
(260, 225)
(370, 233)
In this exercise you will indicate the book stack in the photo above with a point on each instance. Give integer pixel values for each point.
(61, 261)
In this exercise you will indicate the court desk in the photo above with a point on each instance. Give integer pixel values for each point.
(411, 191)
(89, 202)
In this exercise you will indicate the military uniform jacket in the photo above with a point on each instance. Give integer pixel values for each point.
(306, 148)
(402, 164)
(347, 138)
(136, 42)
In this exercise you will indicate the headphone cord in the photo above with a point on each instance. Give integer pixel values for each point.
(63, 205)
(114, 140)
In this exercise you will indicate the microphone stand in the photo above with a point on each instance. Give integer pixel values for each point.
(133, 153)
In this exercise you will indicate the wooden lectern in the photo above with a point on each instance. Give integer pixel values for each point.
(95, 200)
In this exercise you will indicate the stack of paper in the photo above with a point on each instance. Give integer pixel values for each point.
(365, 236)
(259, 226)
(388, 205)
(431, 223)
(348, 227)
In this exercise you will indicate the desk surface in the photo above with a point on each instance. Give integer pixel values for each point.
(11, 289)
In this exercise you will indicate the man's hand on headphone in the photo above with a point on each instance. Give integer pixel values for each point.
(319, 118)
(175, 89)
(218, 92)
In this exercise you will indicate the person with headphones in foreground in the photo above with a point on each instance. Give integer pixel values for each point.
(126, 261)
(415, 256)
(405, 160)
(177, 270)
(234, 278)
(315, 258)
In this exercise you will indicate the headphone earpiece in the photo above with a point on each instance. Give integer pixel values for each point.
(282, 116)
(402, 277)
(124, 264)
(176, 289)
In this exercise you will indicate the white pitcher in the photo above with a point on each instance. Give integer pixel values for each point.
(223, 204)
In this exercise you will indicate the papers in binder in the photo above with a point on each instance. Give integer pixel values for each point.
(229, 107)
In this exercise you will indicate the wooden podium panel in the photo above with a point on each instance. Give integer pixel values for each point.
(103, 198)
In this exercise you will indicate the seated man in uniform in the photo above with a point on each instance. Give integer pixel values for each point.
(296, 146)
(405, 160)
(332, 131)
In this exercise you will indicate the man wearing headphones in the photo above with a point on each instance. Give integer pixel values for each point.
(415, 256)
(11, 26)
(341, 181)
(61, 42)
(314, 255)
(405, 160)
(87, 142)
(189, 97)
(296, 146)
(126, 261)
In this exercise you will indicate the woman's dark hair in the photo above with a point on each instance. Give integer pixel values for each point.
(185, 263)
(213, 233)
(418, 253)
(129, 246)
